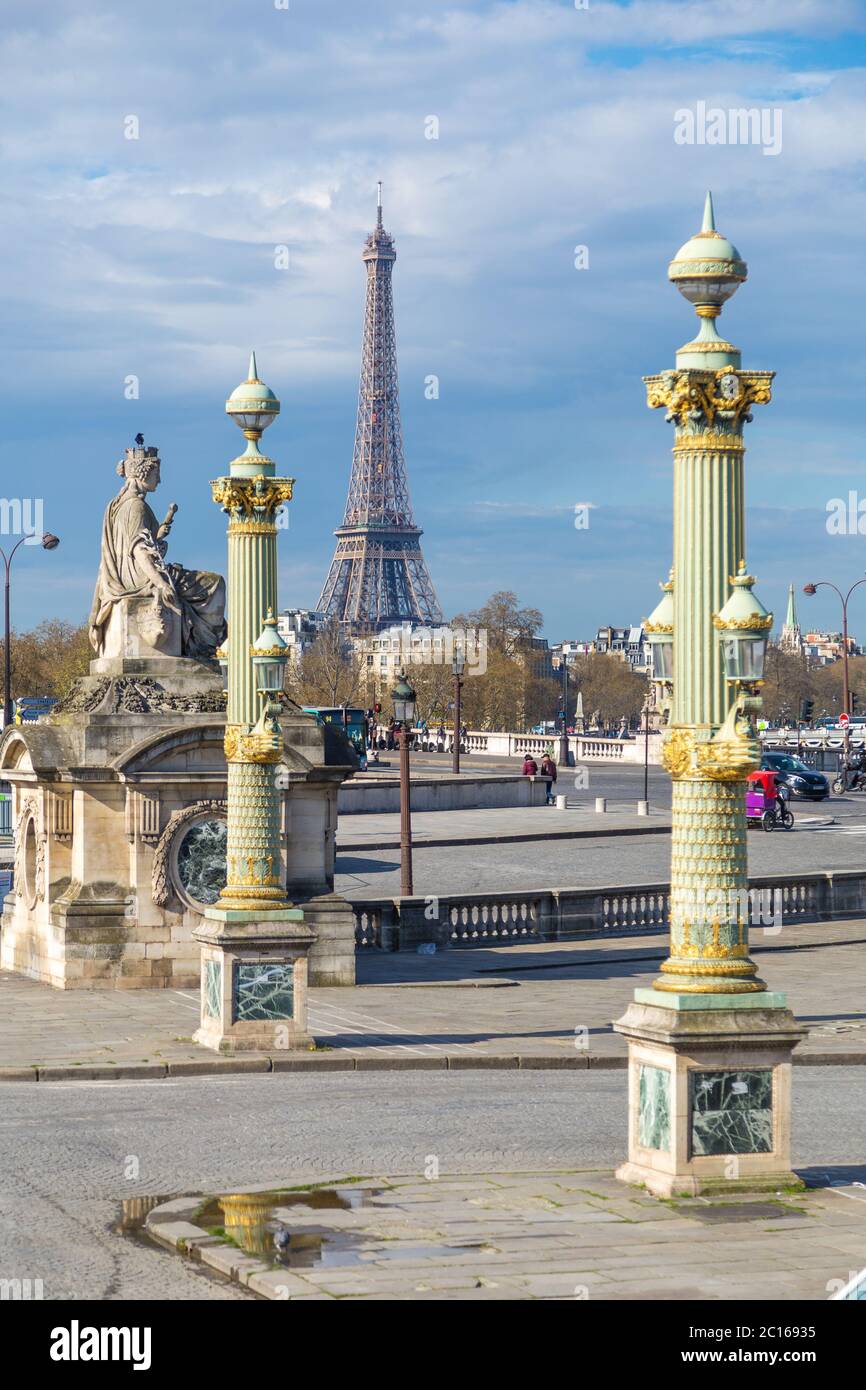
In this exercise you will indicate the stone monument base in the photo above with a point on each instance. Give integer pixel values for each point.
(709, 1092)
(254, 980)
(119, 807)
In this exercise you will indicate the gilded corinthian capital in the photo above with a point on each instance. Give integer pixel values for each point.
(254, 499)
(700, 402)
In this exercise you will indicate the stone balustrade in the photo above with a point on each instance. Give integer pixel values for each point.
(581, 747)
(563, 914)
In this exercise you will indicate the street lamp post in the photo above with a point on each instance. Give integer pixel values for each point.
(563, 733)
(709, 1046)
(811, 589)
(48, 542)
(646, 715)
(254, 942)
(404, 712)
(458, 665)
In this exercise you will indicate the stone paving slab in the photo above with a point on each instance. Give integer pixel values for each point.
(493, 1237)
(552, 1007)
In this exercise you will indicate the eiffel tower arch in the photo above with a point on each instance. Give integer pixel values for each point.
(378, 576)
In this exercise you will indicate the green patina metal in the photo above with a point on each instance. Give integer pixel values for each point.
(708, 398)
(251, 494)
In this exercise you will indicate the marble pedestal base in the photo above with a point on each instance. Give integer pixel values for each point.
(709, 1092)
(254, 980)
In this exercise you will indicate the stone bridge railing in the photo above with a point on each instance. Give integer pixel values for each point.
(581, 747)
(564, 914)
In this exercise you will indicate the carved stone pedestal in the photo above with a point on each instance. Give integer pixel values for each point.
(141, 628)
(254, 980)
(119, 806)
(709, 1092)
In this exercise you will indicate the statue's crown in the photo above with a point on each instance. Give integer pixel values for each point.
(137, 457)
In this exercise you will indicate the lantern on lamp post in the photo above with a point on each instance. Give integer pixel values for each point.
(222, 656)
(659, 629)
(743, 625)
(270, 653)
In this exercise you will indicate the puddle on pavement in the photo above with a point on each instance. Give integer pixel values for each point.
(250, 1221)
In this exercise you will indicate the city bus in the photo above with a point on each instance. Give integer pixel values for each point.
(352, 721)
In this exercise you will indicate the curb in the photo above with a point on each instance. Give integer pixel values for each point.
(448, 1062)
(194, 1243)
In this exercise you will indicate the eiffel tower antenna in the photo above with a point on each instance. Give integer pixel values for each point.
(378, 576)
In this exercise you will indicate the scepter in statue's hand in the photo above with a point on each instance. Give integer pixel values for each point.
(166, 525)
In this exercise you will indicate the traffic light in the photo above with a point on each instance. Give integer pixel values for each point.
(807, 710)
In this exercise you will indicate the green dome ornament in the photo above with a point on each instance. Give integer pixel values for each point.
(707, 271)
(253, 406)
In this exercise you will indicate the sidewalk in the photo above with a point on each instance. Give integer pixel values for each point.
(518, 824)
(499, 825)
(503, 1007)
(576, 1236)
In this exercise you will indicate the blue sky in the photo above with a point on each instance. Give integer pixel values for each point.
(260, 127)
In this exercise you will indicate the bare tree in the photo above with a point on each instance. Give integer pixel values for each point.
(329, 672)
(48, 658)
(509, 628)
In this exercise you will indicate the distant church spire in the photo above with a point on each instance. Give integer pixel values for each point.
(791, 639)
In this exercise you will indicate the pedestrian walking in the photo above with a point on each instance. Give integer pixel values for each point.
(548, 769)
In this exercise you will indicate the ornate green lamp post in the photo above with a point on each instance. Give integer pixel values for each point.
(403, 696)
(254, 943)
(709, 1046)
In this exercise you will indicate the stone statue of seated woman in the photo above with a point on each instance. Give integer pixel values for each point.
(143, 607)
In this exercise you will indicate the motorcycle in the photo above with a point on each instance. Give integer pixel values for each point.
(851, 779)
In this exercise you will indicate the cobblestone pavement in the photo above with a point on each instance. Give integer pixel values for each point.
(71, 1153)
(540, 1001)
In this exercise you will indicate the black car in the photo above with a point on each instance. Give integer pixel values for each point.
(793, 773)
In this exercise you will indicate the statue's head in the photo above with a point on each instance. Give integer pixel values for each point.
(141, 462)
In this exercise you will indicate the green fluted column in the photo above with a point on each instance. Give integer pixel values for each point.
(709, 947)
(708, 546)
(253, 746)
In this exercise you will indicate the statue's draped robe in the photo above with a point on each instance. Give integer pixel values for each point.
(129, 529)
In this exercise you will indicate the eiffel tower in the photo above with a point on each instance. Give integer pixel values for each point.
(378, 576)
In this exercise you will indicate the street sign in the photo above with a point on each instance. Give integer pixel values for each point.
(844, 719)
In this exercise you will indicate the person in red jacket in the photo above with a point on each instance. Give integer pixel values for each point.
(530, 766)
(548, 769)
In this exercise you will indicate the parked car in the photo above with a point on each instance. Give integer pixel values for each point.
(793, 773)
